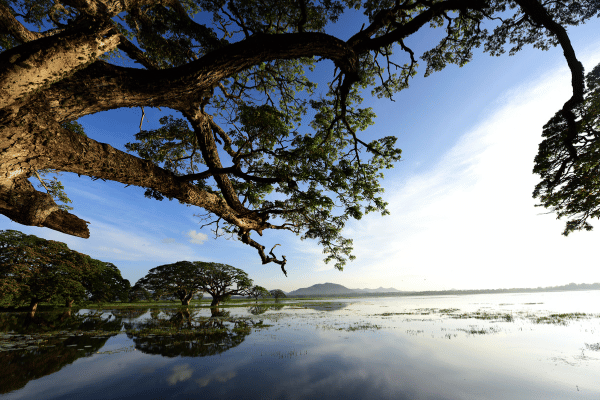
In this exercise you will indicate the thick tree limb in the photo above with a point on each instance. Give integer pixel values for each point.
(10, 25)
(111, 8)
(539, 15)
(63, 150)
(210, 154)
(102, 86)
(39, 63)
(20, 202)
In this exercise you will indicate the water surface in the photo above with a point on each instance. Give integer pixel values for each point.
(490, 346)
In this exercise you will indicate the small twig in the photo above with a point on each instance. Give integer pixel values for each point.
(41, 180)
(142, 120)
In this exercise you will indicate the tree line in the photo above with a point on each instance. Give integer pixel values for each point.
(35, 270)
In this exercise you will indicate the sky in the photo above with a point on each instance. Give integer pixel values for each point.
(462, 212)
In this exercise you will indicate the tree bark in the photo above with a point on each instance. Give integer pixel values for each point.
(69, 303)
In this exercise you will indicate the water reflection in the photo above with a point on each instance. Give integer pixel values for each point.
(361, 350)
(28, 352)
(185, 334)
(327, 306)
(263, 308)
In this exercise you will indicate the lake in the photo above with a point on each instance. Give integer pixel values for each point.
(487, 346)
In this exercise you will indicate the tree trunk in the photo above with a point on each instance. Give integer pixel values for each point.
(215, 312)
(65, 315)
(215, 302)
(69, 303)
(33, 307)
(185, 297)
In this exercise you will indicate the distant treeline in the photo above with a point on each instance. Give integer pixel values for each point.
(569, 287)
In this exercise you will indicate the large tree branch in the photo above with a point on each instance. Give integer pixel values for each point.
(35, 143)
(111, 8)
(37, 64)
(539, 15)
(210, 153)
(20, 202)
(361, 42)
(10, 25)
(102, 86)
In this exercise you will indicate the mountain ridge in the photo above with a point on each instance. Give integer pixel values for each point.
(328, 289)
(334, 288)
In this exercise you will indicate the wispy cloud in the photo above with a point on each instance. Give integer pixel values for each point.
(470, 221)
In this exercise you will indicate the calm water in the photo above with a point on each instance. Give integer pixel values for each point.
(445, 347)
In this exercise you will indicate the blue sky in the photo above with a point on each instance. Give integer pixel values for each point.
(462, 215)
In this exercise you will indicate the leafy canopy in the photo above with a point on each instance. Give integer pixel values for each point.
(258, 291)
(277, 293)
(33, 269)
(180, 279)
(570, 186)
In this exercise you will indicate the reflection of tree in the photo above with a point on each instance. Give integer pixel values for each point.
(130, 313)
(56, 321)
(326, 306)
(195, 337)
(19, 367)
(215, 312)
(258, 309)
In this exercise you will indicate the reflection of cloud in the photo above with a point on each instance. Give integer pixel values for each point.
(197, 237)
(168, 240)
(222, 378)
(180, 373)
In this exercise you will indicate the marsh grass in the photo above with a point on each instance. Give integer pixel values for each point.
(561, 319)
(474, 330)
(593, 347)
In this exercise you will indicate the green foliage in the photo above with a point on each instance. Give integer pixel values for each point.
(180, 279)
(571, 187)
(138, 293)
(218, 280)
(278, 293)
(258, 291)
(33, 269)
(107, 284)
(184, 279)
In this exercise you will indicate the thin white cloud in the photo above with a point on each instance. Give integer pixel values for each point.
(197, 237)
(168, 240)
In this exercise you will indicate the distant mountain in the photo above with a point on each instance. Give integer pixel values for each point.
(378, 290)
(334, 288)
